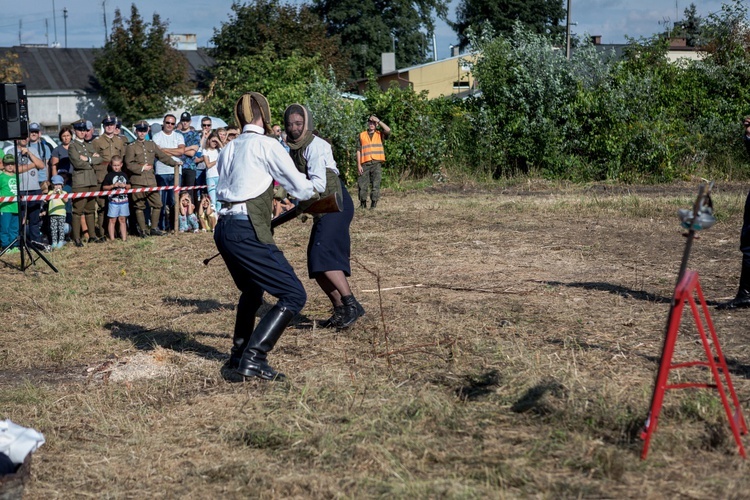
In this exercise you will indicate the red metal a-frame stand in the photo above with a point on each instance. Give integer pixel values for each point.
(686, 291)
(700, 217)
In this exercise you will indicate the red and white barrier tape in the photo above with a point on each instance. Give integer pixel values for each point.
(90, 194)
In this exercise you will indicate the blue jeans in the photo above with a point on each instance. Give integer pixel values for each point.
(167, 200)
(8, 228)
(212, 182)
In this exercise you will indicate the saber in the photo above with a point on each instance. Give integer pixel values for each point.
(330, 204)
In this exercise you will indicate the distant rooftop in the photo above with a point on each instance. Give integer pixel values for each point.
(61, 69)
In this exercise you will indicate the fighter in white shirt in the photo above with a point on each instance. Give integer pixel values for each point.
(247, 167)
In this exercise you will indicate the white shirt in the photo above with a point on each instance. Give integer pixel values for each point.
(319, 156)
(248, 165)
(164, 141)
(213, 155)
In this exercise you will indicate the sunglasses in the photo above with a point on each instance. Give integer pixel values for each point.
(205, 125)
(169, 123)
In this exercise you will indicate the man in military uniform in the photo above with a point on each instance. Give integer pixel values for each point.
(370, 159)
(83, 159)
(107, 145)
(139, 161)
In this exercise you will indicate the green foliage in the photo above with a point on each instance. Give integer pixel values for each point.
(282, 81)
(416, 146)
(538, 16)
(287, 28)
(371, 28)
(139, 74)
(337, 120)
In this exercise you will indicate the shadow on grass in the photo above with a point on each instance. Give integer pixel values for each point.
(537, 399)
(479, 386)
(613, 289)
(202, 306)
(147, 339)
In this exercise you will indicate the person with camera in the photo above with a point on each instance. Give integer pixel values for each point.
(742, 299)
(370, 159)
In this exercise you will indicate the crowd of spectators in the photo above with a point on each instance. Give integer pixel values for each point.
(43, 169)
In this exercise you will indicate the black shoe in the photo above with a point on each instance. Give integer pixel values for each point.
(362, 204)
(373, 205)
(157, 232)
(264, 337)
(741, 301)
(78, 243)
(350, 312)
(334, 320)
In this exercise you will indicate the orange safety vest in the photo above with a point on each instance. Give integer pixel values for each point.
(372, 149)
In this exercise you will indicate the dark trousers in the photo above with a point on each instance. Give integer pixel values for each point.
(372, 173)
(188, 179)
(33, 222)
(745, 235)
(256, 267)
(167, 200)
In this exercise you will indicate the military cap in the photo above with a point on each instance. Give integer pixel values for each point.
(109, 119)
(9, 158)
(141, 125)
(79, 125)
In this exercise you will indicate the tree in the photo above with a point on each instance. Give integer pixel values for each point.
(138, 73)
(10, 68)
(538, 16)
(286, 27)
(691, 26)
(282, 81)
(371, 28)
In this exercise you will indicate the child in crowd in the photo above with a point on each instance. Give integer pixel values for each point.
(56, 213)
(210, 157)
(8, 209)
(188, 219)
(206, 214)
(118, 210)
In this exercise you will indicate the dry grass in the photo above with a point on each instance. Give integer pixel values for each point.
(521, 366)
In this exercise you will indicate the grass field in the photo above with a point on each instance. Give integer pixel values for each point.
(509, 350)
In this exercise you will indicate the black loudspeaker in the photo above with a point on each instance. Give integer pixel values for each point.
(14, 112)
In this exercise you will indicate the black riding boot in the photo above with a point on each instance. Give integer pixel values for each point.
(742, 300)
(265, 336)
(362, 204)
(243, 328)
(351, 311)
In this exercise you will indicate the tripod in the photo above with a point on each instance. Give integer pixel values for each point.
(21, 239)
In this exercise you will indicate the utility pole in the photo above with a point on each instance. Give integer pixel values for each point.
(20, 27)
(65, 20)
(46, 30)
(54, 22)
(104, 12)
(567, 34)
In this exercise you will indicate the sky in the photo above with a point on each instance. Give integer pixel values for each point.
(42, 22)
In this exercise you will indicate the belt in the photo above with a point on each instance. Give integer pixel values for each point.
(232, 215)
(233, 207)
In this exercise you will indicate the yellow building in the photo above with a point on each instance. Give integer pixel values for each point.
(439, 78)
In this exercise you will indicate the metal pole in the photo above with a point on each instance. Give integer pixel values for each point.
(65, 19)
(567, 34)
(54, 21)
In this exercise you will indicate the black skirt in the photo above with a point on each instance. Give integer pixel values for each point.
(330, 245)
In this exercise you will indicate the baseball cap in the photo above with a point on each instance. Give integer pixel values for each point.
(109, 120)
(79, 125)
(34, 127)
(185, 117)
(9, 158)
(62, 171)
(57, 179)
(141, 125)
